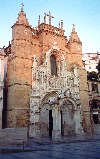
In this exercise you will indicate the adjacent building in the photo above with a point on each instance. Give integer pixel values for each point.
(90, 61)
(94, 100)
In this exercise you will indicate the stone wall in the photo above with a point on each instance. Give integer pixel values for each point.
(18, 105)
(2, 64)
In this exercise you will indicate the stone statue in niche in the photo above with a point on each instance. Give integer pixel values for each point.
(51, 83)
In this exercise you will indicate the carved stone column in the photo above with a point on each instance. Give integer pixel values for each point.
(78, 121)
(56, 133)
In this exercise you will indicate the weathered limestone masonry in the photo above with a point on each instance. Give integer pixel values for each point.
(47, 84)
(2, 56)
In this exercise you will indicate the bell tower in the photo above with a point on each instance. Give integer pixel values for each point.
(19, 70)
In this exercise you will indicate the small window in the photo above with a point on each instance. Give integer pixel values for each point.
(95, 87)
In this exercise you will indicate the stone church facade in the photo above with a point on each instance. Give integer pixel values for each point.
(46, 80)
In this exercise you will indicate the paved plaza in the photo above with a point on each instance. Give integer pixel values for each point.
(85, 147)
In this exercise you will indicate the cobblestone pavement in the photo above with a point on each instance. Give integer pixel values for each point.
(85, 147)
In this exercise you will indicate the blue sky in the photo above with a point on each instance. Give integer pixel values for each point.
(85, 14)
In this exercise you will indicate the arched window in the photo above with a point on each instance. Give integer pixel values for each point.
(53, 65)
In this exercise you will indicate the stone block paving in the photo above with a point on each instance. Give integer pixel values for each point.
(87, 147)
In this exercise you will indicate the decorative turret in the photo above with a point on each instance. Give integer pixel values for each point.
(74, 37)
(21, 28)
(75, 47)
(22, 17)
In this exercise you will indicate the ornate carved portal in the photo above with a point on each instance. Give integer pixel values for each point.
(59, 119)
(55, 105)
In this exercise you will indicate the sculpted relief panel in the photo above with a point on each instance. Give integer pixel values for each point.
(43, 81)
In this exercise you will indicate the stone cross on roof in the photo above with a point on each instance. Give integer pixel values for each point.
(22, 7)
(50, 16)
(73, 29)
(39, 20)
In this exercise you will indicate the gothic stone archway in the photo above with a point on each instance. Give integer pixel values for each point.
(70, 117)
(67, 118)
(46, 120)
(46, 114)
(59, 118)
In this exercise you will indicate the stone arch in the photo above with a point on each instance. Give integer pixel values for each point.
(46, 113)
(71, 100)
(46, 97)
(70, 117)
(52, 51)
(65, 115)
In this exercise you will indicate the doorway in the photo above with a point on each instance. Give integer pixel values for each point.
(50, 123)
(62, 128)
(95, 119)
(67, 119)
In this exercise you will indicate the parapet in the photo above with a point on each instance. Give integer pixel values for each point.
(50, 29)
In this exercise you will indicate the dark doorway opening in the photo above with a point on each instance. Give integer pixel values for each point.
(62, 128)
(4, 111)
(95, 119)
(50, 123)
